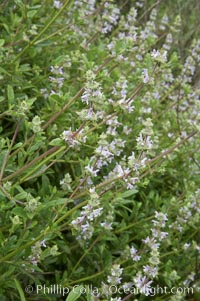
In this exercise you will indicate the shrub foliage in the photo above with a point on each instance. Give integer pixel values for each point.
(99, 160)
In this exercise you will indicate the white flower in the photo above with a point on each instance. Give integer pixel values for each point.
(43, 243)
(116, 272)
(95, 213)
(134, 255)
(70, 137)
(161, 219)
(151, 242)
(133, 251)
(150, 271)
(186, 246)
(57, 4)
(155, 53)
(127, 130)
(85, 97)
(143, 284)
(198, 248)
(91, 170)
(145, 76)
(158, 56)
(106, 225)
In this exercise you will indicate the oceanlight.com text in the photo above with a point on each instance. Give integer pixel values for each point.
(58, 289)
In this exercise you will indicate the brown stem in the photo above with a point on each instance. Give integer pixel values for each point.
(137, 90)
(171, 149)
(45, 154)
(149, 9)
(63, 109)
(127, 297)
(107, 60)
(9, 196)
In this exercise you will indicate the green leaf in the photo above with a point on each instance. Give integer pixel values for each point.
(120, 201)
(21, 196)
(20, 290)
(75, 293)
(31, 13)
(88, 295)
(2, 41)
(10, 93)
(20, 212)
(56, 142)
(2, 98)
(128, 193)
(2, 70)
(17, 145)
(53, 203)
(148, 61)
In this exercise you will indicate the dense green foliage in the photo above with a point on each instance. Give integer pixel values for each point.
(99, 150)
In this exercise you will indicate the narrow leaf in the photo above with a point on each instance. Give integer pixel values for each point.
(10, 93)
(20, 290)
(75, 293)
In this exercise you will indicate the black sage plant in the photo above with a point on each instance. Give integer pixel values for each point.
(99, 150)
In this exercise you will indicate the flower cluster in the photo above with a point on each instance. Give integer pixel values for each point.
(36, 124)
(153, 242)
(142, 284)
(57, 79)
(83, 224)
(110, 17)
(35, 257)
(57, 4)
(159, 56)
(146, 141)
(93, 97)
(74, 138)
(120, 96)
(113, 279)
(134, 254)
(188, 213)
(32, 204)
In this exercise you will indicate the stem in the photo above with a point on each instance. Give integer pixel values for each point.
(84, 254)
(133, 225)
(101, 123)
(47, 153)
(137, 90)
(87, 278)
(63, 109)
(40, 164)
(52, 163)
(70, 212)
(9, 150)
(149, 9)
(10, 197)
(24, 246)
(51, 35)
(171, 149)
